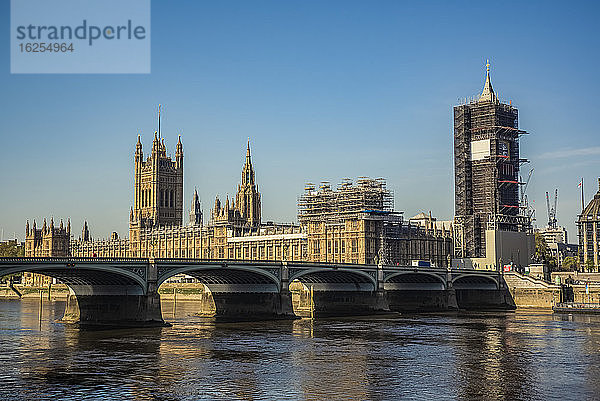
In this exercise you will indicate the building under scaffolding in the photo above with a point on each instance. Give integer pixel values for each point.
(489, 227)
(356, 223)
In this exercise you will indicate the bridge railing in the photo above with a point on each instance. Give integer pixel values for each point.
(227, 262)
(68, 259)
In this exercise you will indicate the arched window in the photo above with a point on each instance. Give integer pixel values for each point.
(172, 198)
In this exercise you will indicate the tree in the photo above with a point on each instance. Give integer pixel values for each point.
(11, 249)
(570, 263)
(542, 253)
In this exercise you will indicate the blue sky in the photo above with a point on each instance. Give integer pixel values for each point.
(325, 91)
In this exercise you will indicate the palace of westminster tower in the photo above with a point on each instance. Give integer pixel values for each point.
(366, 231)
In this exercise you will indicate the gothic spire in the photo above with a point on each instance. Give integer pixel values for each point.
(488, 94)
(179, 149)
(138, 145)
(248, 171)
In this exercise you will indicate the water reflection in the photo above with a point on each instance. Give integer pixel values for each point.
(523, 355)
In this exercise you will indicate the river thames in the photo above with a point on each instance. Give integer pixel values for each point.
(524, 355)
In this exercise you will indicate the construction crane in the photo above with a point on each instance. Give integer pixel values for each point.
(525, 185)
(552, 210)
(526, 210)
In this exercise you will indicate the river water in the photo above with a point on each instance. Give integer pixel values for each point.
(524, 355)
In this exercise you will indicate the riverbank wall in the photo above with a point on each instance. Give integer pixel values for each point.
(530, 292)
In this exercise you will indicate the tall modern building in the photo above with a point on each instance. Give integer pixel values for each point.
(490, 229)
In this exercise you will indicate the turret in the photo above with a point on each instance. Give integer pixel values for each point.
(195, 210)
(44, 227)
(138, 148)
(69, 226)
(131, 214)
(155, 145)
(179, 154)
(27, 228)
(51, 224)
(85, 233)
(217, 209)
(61, 226)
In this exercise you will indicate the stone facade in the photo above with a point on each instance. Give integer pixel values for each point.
(369, 234)
(588, 225)
(45, 242)
(357, 224)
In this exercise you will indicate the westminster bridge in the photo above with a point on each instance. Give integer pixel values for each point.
(124, 291)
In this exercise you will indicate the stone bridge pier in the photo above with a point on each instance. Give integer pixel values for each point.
(119, 304)
(338, 291)
(124, 292)
(237, 290)
(420, 291)
(102, 293)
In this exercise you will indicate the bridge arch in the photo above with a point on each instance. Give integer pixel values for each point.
(348, 277)
(475, 282)
(410, 280)
(217, 275)
(81, 278)
(103, 291)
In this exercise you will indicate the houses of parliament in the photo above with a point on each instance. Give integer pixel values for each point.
(353, 223)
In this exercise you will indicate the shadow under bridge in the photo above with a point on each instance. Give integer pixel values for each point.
(226, 277)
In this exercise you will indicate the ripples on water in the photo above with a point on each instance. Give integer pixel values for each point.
(522, 355)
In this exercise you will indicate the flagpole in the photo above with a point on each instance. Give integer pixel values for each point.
(582, 202)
